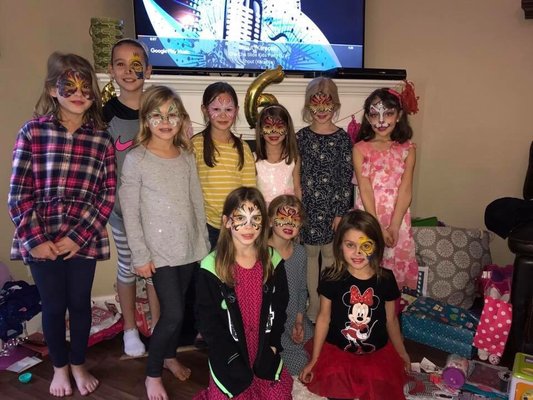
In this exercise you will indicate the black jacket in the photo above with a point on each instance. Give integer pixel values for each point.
(220, 323)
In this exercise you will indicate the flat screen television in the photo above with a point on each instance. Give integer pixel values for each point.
(203, 36)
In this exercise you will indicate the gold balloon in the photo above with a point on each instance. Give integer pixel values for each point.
(108, 92)
(254, 96)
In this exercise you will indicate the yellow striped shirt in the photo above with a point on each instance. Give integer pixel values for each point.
(225, 176)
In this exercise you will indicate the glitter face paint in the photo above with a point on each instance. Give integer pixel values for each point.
(70, 81)
(321, 103)
(220, 106)
(274, 126)
(377, 114)
(288, 216)
(366, 246)
(156, 117)
(136, 66)
(246, 214)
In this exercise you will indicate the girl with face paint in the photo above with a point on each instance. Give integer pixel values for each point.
(286, 217)
(276, 153)
(224, 161)
(129, 68)
(357, 350)
(163, 211)
(241, 306)
(384, 160)
(326, 172)
(61, 194)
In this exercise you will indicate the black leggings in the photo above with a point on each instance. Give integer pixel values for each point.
(65, 285)
(170, 284)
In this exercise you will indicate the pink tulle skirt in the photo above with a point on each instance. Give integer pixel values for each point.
(374, 376)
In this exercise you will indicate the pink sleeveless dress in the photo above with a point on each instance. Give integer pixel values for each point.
(385, 170)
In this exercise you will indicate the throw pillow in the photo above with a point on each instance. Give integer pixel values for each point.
(455, 258)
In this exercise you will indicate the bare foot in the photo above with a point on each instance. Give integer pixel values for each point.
(178, 369)
(60, 385)
(155, 389)
(85, 381)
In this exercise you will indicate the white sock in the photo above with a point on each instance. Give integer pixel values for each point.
(133, 346)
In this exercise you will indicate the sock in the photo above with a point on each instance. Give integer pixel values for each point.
(133, 346)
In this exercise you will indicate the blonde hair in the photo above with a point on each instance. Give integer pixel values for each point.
(225, 253)
(154, 97)
(324, 85)
(57, 64)
(289, 147)
(286, 200)
(366, 223)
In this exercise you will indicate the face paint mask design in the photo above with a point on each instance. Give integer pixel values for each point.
(220, 106)
(70, 81)
(274, 126)
(246, 214)
(156, 117)
(321, 103)
(367, 246)
(287, 216)
(377, 114)
(136, 66)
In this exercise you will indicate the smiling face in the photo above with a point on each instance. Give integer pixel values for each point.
(322, 107)
(287, 222)
(221, 112)
(129, 68)
(245, 223)
(382, 119)
(164, 121)
(357, 248)
(74, 94)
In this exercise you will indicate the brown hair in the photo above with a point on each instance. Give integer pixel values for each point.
(225, 253)
(366, 223)
(324, 85)
(134, 43)
(154, 97)
(57, 64)
(290, 149)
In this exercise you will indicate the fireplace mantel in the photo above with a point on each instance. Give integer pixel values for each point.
(290, 92)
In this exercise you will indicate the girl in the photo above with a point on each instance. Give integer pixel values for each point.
(224, 161)
(241, 301)
(129, 68)
(164, 217)
(384, 160)
(276, 153)
(61, 194)
(326, 174)
(357, 350)
(286, 216)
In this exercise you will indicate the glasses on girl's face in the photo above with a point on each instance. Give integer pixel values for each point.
(156, 118)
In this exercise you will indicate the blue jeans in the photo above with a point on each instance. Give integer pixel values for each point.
(65, 285)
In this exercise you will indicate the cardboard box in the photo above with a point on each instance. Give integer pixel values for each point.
(443, 326)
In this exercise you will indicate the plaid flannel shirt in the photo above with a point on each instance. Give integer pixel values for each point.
(61, 185)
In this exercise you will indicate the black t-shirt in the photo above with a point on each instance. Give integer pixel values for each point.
(358, 318)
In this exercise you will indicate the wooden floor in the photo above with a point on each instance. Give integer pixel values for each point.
(124, 379)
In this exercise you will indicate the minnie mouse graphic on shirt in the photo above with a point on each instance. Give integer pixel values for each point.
(358, 330)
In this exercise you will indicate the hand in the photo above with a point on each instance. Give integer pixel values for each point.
(274, 349)
(335, 223)
(406, 362)
(393, 232)
(387, 238)
(306, 375)
(297, 335)
(146, 270)
(67, 247)
(45, 251)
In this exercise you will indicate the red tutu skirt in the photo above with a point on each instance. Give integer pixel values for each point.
(373, 376)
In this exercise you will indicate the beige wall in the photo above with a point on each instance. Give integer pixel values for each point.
(471, 63)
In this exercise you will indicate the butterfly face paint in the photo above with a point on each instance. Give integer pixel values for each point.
(379, 113)
(321, 103)
(367, 246)
(274, 126)
(136, 66)
(246, 214)
(70, 81)
(288, 216)
(156, 117)
(222, 105)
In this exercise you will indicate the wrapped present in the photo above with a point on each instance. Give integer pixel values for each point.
(440, 325)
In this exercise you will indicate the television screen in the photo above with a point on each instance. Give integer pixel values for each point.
(251, 35)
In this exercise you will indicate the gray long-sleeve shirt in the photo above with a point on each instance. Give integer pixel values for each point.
(163, 210)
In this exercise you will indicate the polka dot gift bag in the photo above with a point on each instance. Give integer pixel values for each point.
(495, 322)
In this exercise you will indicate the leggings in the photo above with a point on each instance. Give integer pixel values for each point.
(65, 285)
(313, 274)
(170, 284)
